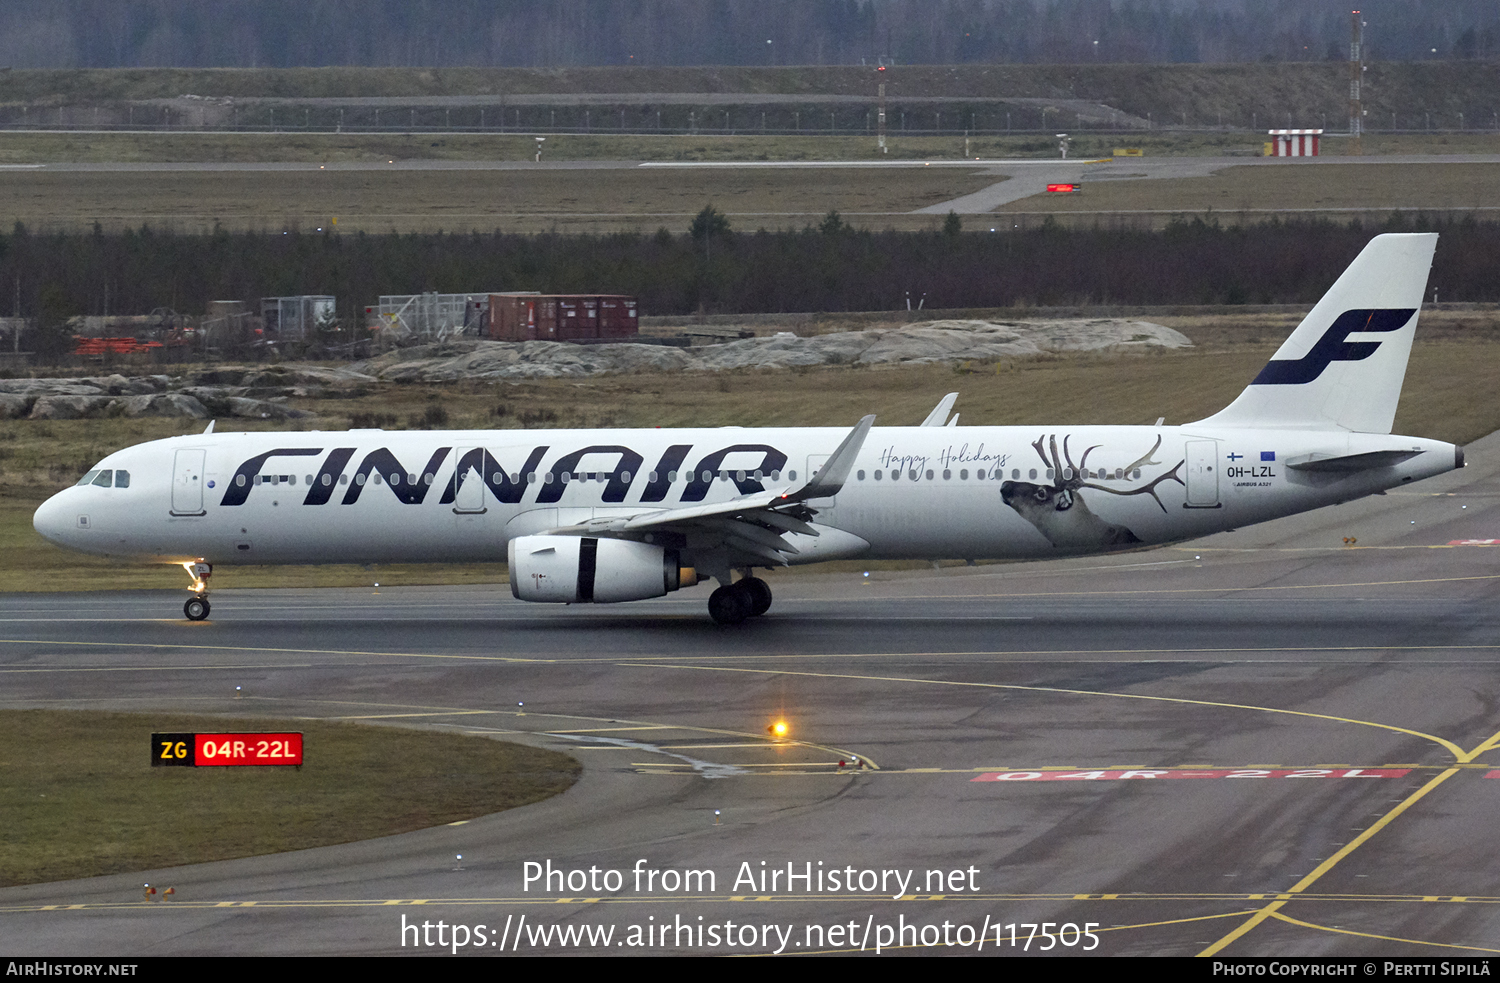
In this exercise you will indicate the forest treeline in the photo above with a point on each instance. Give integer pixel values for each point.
(713, 268)
(555, 33)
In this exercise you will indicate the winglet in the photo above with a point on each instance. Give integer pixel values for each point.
(831, 477)
(939, 413)
(210, 428)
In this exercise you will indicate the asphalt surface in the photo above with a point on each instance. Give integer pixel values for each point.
(1269, 742)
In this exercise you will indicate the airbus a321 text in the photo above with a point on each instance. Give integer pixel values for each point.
(621, 515)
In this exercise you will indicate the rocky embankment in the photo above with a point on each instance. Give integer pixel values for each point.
(262, 392)
(219, 393)
(931, 341)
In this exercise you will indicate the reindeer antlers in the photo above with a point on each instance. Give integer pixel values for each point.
(1056, 464)
(1149, 489)
(1080, 472)
(1145, 458)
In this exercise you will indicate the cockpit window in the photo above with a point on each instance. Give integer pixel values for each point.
(88, 479)
(122, 479)
(105, 479)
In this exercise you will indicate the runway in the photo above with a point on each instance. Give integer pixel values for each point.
(1269, 742)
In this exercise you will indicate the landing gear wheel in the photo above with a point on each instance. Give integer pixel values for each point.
(729, 605)
(759, 594)
(196, 608)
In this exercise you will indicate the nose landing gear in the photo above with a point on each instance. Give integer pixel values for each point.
(197, 607)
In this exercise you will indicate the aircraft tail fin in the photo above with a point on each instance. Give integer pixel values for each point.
(1343, 367)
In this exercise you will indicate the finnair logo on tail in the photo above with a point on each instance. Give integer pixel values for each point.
(1334, 346)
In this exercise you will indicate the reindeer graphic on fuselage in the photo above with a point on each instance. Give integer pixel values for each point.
(1058, 510)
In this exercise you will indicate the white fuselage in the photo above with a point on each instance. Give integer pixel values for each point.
(370, 496)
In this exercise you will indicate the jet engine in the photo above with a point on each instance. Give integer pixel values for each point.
(569, 569)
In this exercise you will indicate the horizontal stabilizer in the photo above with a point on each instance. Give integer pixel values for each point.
(1352, 462)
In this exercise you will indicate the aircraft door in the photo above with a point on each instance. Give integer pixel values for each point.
(1202, 474)
(187, 482)
(824, 506)
(470, 494)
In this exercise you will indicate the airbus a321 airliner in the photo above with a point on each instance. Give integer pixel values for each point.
(621, 515)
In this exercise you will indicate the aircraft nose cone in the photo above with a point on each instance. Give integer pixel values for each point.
(54, 521)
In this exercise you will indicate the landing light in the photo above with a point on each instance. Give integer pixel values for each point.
(778, 729)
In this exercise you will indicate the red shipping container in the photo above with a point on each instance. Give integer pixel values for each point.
(562, 317)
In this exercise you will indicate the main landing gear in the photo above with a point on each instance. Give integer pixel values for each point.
(747, 597)
(197, 608)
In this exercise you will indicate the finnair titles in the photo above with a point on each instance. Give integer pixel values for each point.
(603, 516)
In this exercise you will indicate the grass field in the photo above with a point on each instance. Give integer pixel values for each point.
(609, 199)
(1455, 365)
(33, 147)
(1289, 185)
(520, 200)
(79, 798)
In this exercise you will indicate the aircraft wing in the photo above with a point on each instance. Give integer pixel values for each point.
(752, 525)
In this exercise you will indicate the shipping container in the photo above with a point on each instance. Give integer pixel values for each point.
(582, 318)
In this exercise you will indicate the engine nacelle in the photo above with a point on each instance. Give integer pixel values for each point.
(568, 569)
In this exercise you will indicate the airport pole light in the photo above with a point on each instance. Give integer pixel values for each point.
(539, 142)
(770, 53)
